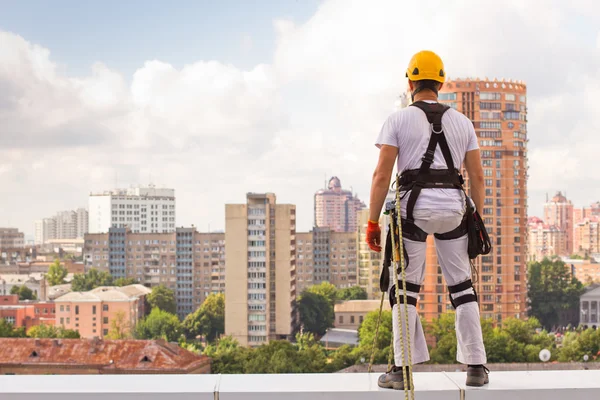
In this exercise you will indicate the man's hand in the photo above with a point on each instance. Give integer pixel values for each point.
(374, 236)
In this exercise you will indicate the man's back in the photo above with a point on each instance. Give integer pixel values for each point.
(409, 131)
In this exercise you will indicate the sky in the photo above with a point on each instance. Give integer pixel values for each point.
(218, 99)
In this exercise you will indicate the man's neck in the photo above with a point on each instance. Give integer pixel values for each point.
(425, 95)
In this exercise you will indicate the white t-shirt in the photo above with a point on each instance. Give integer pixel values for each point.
(409, 131)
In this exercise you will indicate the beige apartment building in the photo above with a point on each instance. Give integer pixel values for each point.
(558, 212)
(336, 208)
(350, 314)
(545, 240)
(586, 237)
(189, 262)
(260, 284)
(90, 313)
(323, 255)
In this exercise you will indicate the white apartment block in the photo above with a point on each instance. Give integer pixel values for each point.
(141, 209)
(71, 224)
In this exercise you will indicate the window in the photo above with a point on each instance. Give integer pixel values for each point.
(352, 319)
(105, 320)
(77, 307)
(93, 309)
(104, 308)
(490, 96)
(62, 308)
(447, 96)
(509, 97)
(341, 319)
(512, 115)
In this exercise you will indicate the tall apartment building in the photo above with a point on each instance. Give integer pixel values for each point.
(72, 224)
(189, 262)
(558, 212)
(11, 238)
(141, 209)
(545, 240)
(260, 284)
(336, 208)
(498, 110)
(323, 255)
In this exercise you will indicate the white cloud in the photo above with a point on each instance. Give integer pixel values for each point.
(215, 132)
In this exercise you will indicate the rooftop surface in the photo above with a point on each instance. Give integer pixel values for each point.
(547, 385)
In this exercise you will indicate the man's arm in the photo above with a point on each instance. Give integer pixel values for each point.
(381, 180)
(475, 171)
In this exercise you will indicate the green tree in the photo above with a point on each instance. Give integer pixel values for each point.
(325, 289)
(51, 331)
(228, 357)
(163, 298)
(91, 280)
(442, 329)
(552, 292)
(125, 281)
(577, 344)
(7, 330)
(352, 293)
(56, 273)
(119, 327)
(159, 324)
(208, 320)
(24, 292)
(316, 312)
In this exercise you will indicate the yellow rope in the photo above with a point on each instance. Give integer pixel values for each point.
(399, 254)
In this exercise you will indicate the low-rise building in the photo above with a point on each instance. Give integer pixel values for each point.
(90, 313)
(350, 314)
(589, 303)
(25, 314)
(91, 357)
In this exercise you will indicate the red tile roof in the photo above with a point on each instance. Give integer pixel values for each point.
(106, 355)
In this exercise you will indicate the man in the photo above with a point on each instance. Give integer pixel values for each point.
(428, 140)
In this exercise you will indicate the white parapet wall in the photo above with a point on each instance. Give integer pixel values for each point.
(521, 385)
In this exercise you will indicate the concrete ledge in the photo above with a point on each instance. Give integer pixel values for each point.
(428, 386)
(526, 385)
(105, 387)
(514, 385)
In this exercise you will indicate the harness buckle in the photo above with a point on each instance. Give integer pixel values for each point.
(434, 131)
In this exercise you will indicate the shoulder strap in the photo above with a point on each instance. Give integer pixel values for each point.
(434, 113)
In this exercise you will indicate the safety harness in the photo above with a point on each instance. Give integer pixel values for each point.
(414, 181)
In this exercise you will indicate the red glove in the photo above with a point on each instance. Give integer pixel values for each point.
(374, 236)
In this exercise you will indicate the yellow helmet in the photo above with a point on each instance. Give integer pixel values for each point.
(426, 65)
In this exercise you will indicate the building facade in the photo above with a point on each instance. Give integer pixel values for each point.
(72, 224)
(11, 238)
(545, 240)
(498, 110)
(589, 304)
(558, 212)
(323, 255)
(189, 262)
(336, 208)
(141, 209)
(25, 314)
(586, 236)
(350, 314)
(260, 284)
(91, 313)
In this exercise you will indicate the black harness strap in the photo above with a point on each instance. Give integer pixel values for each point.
(410, 299)
(465, 298)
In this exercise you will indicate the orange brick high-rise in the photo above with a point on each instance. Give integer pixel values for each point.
(499, 113)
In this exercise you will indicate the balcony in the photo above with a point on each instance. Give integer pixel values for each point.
(549, 385)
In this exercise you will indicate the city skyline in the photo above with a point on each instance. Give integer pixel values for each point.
(289, 95)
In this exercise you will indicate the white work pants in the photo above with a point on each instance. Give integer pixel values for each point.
(454, 262)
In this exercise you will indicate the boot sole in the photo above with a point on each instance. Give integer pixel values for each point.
(477, 381)
(391, 385)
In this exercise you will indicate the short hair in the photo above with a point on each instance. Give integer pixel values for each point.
(430, 84)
